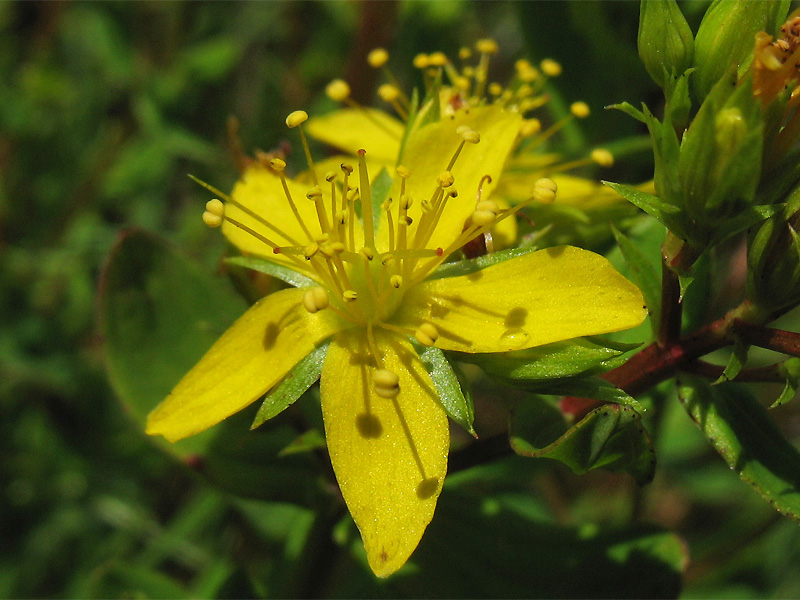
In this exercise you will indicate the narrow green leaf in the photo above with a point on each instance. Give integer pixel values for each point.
(457, 405)
(294, 385)
(313, 439)
(652, 205)
(745, 436)
(629, 110)
(790, 369)
(262, 265)
(610, 436)
(736, 361)
(644, 275)
(380, 191)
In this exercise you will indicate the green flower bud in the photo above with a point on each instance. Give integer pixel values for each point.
(666, 44)
(773, 259)
(720, 158)
(726, 36)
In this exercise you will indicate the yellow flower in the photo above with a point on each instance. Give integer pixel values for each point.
(452, 89)
(375, 294)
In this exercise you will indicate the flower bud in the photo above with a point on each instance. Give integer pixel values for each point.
(773, 259)
(665, 40)
(725, 38)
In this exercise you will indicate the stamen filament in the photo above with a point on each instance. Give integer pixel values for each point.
(294, 208)
(309, 159)
(366, 200)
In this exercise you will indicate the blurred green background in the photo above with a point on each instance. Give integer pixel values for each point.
(104, 109)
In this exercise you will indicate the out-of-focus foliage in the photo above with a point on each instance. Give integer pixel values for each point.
(104, 109)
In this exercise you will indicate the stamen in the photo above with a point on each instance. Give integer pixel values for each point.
(386, 383)
(550, 67)
(296, 119)
(427, 334)
(279, 166)
(338, 90)
(315, 194)
(315, 299)
(377, 58)
(214, 213)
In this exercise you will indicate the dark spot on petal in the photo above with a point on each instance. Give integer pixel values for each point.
(369, 426)
(427, 488)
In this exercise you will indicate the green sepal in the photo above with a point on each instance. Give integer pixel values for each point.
(790, 369)
(678, 101)
(667, 214)
(556, 361)
(745, 436)
(666, 154)
(297, 381)
(611, 437)
(268, 267)
(643, 274)
(450, 386)
(747, 218)
(413, 113)
(380, 191)
(736, 361)
(311, 440)
(472, 265)
(629, 110)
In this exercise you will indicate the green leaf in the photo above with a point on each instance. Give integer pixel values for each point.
(457, 405)
(159, 312)
(644, 275)
(610, 436)
(297, 381)
(667, 214)
(629, 110)
(380, 191)
(580, 356)
(745, 436)
(736, 361)
(262, 265)
(790, 369)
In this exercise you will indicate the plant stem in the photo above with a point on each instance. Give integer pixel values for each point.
(786, 342)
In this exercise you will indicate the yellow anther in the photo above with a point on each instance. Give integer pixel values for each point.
(315, 299)
(438, 59)
(524, 91)
(346, 168)
(544, 190)
(427, 334)
(322, 239)
(482, 218)
(212, 219)
(331, 250)
(350, 295)
(470, 135)
(386, 383)
(489, 205)
(550, 67)
(462, 83)
(388, 92)
(406, 201)
(453, 193)
(277, 165)
(296, 118)
(468, 72)
(215, 207)
(602, 157)
(495, 89)
(338, 90)
(522, 64)
(445, 179)
(579, 109)
(314, 193)
(530, 127)
(330, 176)
(341, 217)
(367, 253)
(377, 58)
(421, 61)
(486, 46)
(387, 259)
(310, 251)
(403, 172)
(464, 53)
(396, 281)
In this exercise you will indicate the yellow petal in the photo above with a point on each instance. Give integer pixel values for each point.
(262, 193)
(542, 297)
(428, 151)
(389, 455)
(351, 130)
(249, 358)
